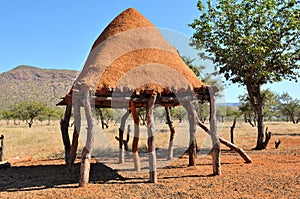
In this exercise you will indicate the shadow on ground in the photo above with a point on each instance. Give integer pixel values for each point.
(39, 177)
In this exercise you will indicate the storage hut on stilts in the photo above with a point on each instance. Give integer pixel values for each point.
(131, 65)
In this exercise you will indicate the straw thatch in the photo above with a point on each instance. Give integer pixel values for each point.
(132, 56)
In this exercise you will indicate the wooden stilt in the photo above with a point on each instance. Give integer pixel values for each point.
(64, 127)
(121, 133)
(86, 153)
(192, 127)
(172, 133)
(216, 150)
(77, 125)
(151, 143)
(135, 155)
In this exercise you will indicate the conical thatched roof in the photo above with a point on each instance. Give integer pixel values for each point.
(131, 55)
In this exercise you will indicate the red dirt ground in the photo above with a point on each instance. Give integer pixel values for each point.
(274, 173)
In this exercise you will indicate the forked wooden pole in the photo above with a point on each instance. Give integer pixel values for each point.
(216, 150)
(77, 125)
(121, 135)
(64, 127)
(172, 133)
(135, 155)
(86, 153)
(192, 127)
(151, 143)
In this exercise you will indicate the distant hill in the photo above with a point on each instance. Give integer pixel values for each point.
(229, 104)
(32, 83)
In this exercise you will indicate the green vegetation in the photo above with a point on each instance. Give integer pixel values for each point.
(28, 111)
(251, 43)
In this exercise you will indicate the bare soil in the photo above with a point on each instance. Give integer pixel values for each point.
(274, 173)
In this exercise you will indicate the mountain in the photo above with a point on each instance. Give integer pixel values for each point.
(32, 83)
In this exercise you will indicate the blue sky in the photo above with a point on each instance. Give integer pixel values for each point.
(59, 33)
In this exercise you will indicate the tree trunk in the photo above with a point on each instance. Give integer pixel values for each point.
(30, 123)
(256, 101)
(260, 127)
(49, 119)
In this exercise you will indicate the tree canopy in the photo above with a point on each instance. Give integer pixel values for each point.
(251, 43)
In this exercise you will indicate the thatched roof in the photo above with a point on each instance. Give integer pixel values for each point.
(132, 56)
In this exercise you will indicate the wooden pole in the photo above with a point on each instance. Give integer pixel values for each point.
(2, 148)
(135, 155)
(192, 127)
(77, 126)
(172, 133)
(151, 143)
(216, 150)
(232, 130)
(86, 153)
(121, 133)
(64, 127)
(242, 153)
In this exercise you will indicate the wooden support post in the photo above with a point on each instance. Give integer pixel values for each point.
(172, 133)
(2, 148)
(192, 127)
(232, 130)
(216, 150)
(151, 143)
(121, 133)
(135, 155)
(77, 125)
(86, 153)
(64, 127)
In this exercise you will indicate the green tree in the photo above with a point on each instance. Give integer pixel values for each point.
(28, 111)
(289, 107)
(252, 43)
(51, 113)
(250, 114)
(7, 115)
(178, 113)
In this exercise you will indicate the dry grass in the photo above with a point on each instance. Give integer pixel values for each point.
(274, 173)
(43, 142)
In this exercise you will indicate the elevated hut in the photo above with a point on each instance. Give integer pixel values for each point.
(132, 65)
